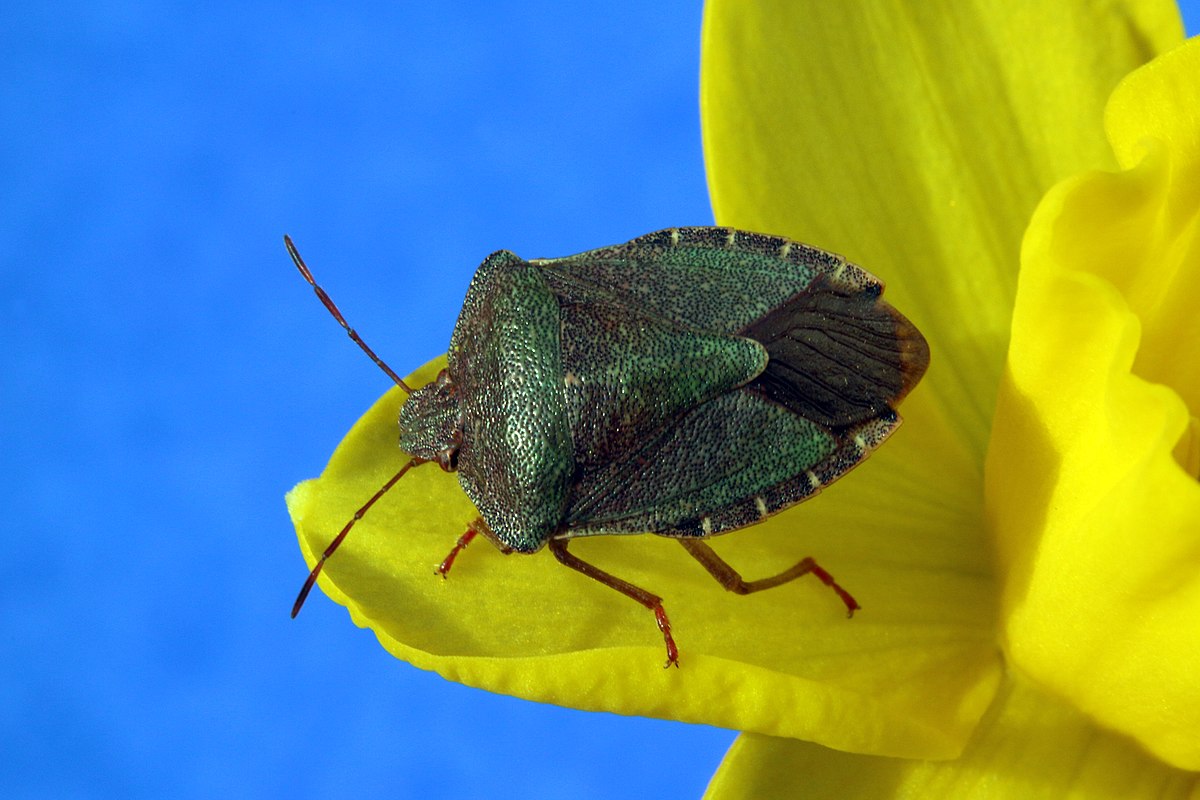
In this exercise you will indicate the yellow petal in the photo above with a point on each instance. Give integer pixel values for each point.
(916, 139)
(784, 661)
(1091, 480)
(1029, 747)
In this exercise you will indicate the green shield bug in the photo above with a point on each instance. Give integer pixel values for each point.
(687, 383)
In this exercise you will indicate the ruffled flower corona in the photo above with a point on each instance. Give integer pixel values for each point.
(1092, 489)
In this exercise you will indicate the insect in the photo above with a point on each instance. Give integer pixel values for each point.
(687, 383)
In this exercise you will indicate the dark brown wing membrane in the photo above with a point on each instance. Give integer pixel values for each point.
(838, 358)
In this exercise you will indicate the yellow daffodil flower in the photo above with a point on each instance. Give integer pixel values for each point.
(917, 140)
(1091, 497)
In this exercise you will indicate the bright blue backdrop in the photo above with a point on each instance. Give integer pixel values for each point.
(166, 376)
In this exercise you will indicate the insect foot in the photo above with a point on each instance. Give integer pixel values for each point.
(447, 562)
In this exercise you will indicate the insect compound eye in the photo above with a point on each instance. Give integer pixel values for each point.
(448, 459)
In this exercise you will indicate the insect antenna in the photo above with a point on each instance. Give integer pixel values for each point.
(300, 265)
(316, 570)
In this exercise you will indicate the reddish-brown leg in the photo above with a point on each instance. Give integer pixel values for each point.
(651, 601)
(464, 540)
(728, 577)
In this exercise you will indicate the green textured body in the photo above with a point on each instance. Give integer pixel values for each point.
(686, 383)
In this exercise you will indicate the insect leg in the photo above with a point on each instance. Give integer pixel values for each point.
(464, 540)
(651, 601)
(728, 577)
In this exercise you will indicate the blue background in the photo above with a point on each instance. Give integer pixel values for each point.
(167, 376)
